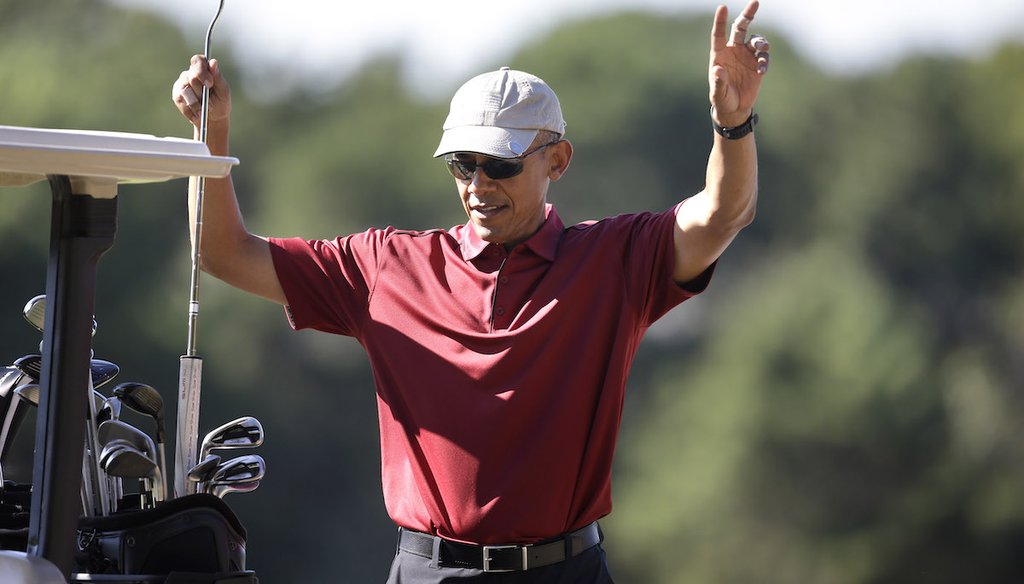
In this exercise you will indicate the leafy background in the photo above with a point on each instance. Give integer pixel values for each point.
(842, 406)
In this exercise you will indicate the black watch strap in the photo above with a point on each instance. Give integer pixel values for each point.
(737, 132)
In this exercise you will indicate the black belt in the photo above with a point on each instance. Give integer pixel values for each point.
(499, 558)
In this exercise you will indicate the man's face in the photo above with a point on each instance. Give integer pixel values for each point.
(508, 211)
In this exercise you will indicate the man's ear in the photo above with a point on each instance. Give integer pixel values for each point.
(561, 155)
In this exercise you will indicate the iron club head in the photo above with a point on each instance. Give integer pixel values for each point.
(121, 459)
(202, 471)
(244, 432)
(116, 429)
(240, 474)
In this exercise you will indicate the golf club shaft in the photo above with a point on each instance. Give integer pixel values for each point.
(161, 463)
(88, 500)
(92, 446)
(204, 115)
(191, 364)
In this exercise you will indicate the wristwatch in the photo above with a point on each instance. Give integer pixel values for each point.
(737, 132)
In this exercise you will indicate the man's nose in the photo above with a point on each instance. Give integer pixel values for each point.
(480, 181)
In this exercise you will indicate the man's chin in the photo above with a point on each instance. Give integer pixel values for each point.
(488, 235)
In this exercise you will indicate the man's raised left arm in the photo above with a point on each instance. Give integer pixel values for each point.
(707, 222)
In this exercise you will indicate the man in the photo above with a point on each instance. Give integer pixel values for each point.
(500, 348)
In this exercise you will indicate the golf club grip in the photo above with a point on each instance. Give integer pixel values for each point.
(187, 434)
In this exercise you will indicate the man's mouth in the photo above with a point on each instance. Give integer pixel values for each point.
(486, 211)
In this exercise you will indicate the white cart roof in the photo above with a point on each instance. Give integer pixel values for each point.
(27, 155)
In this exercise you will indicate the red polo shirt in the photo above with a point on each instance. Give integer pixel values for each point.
(500, 376)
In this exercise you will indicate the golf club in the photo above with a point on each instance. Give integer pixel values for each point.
(201, 472)
(191, 364)
(243, 472)
(244, 432)
(35, 313)
(117, 430)
(246, 486)
(121, 459)
(27, 393)
(92, 451)
(146, 400)
(102, 372)
(27, 396)
(110, 409)
(10, 379)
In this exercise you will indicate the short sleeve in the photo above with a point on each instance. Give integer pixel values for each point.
(328, 283)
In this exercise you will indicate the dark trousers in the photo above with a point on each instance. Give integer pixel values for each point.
(590, 567)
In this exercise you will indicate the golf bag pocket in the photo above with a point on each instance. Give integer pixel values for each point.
(196, 533)
(15, 500)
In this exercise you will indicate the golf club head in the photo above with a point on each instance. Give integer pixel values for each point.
(117, 430)
(221, 489)
(11, 408)
(102, 371)
(31, 366)
(244, 432)
(108, 408)
(10, 378)
(145, 400)
(35, 313)
(241, 468)
(29, 392)
(21, 398)
(114, 445)
(238, 475)
(125, 461)
(206, 467)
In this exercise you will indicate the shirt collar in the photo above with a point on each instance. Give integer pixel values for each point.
(544, 243)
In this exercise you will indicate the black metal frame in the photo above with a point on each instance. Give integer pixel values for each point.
(82, 229)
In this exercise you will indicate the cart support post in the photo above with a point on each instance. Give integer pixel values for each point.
(82, 229)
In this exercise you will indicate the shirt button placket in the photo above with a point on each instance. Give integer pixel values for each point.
(499, 310)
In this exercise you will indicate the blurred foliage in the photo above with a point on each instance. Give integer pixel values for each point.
(842, 406)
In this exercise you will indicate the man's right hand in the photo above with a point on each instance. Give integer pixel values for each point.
(188, 89)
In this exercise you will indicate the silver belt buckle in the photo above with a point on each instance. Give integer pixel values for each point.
(492, 548)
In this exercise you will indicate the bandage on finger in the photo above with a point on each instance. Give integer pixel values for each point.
(189, 96)
(739, 29)
(759, 44)
(762, 61)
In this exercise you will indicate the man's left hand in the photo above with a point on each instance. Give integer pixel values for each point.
(737, 66)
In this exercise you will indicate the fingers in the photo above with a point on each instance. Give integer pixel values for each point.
(761, 47)
(184, 98)
(718, 40)
(738, 36)
(188, 88)
(189, 94)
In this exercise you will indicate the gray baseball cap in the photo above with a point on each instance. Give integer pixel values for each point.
(499, 114)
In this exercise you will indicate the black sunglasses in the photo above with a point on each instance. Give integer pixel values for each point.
(496, 168)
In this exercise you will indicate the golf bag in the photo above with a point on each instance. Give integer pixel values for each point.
(195, 539)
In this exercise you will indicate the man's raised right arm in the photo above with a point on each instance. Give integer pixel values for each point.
(228, 252)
